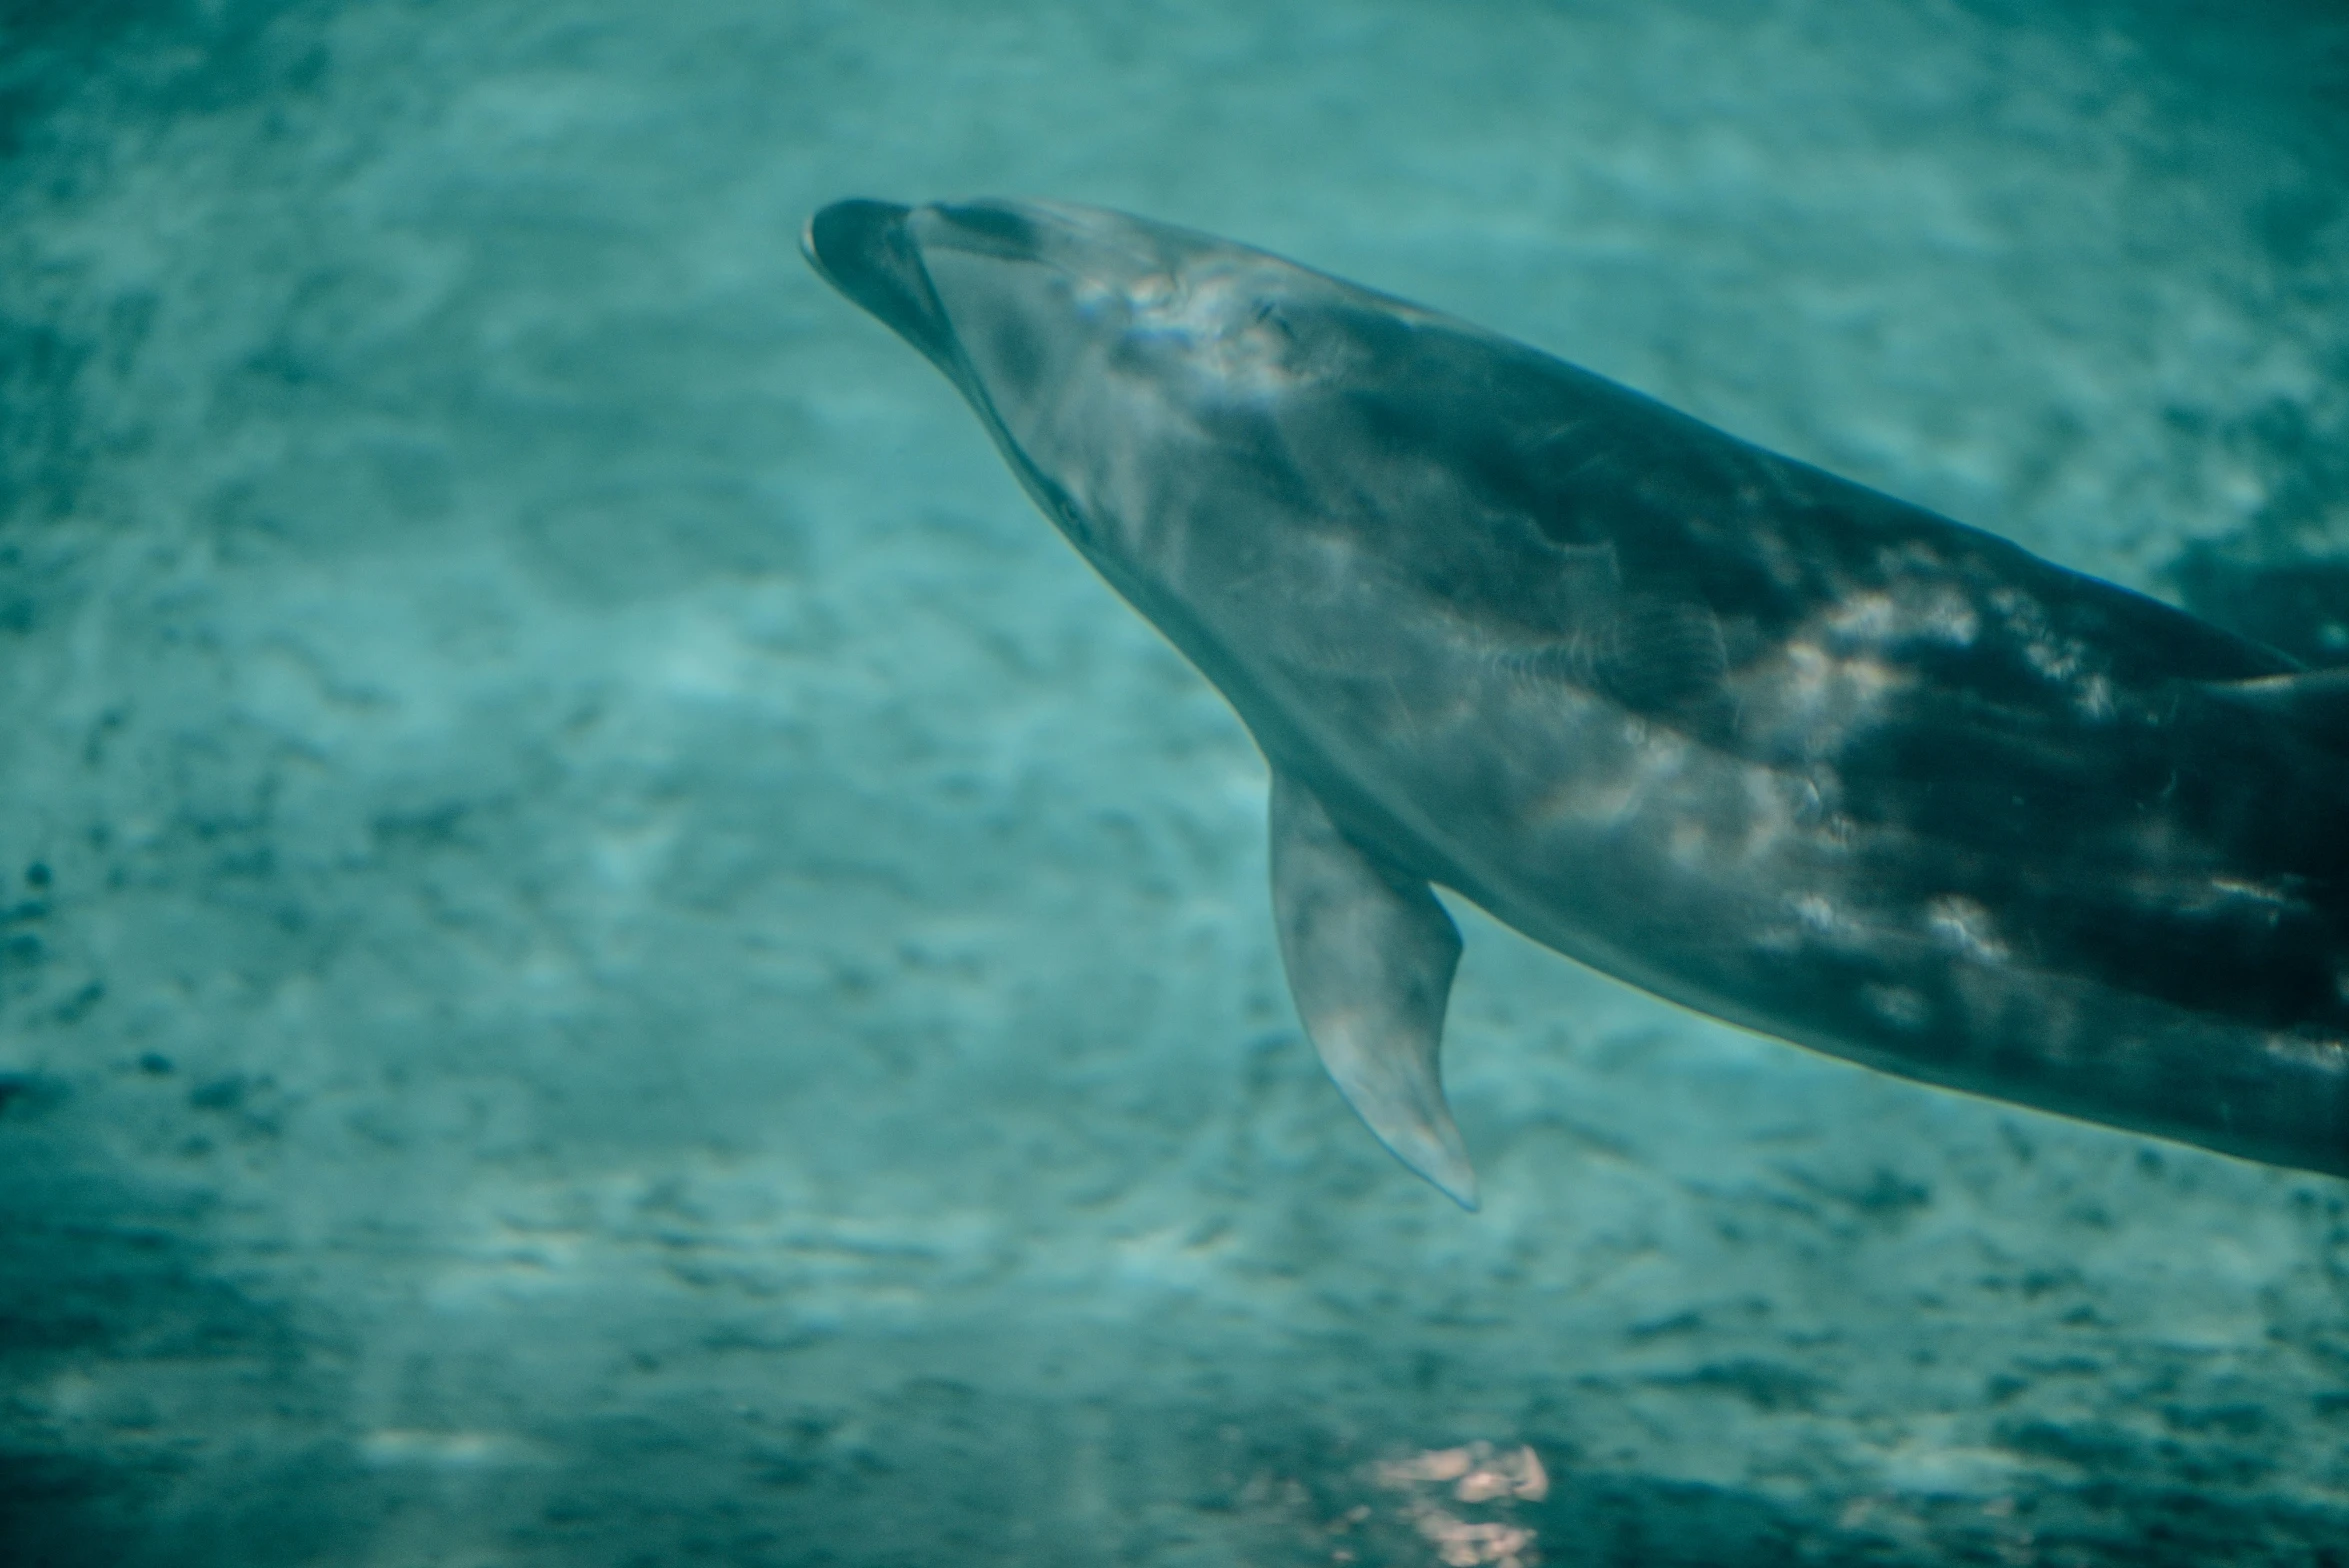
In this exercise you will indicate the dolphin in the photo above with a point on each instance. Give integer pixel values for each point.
(1764, 742)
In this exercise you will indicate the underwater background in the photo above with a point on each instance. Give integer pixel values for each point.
(611, 954)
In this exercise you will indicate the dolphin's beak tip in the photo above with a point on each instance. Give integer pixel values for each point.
(862, 248)
(844, 237)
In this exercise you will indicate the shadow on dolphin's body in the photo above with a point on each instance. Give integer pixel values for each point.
(1762, 741)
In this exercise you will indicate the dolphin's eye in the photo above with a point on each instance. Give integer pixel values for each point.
(1269, 312)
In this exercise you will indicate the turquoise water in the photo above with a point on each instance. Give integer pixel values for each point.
(610, 953)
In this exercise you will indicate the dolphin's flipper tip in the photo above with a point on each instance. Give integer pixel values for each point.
(1370, 955)
(1391, 1083)
(1403, 1105)
(1445, 1165)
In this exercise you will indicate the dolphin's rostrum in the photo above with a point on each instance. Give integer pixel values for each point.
(1762, 741)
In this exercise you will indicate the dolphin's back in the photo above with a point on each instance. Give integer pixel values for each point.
(1757, 537)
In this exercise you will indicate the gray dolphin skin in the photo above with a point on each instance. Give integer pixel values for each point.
(1774, 746)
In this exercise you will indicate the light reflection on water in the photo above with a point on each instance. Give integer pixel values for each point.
(1483, 1482)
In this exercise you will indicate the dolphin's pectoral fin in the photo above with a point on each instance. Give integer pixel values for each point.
(1370, 955)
